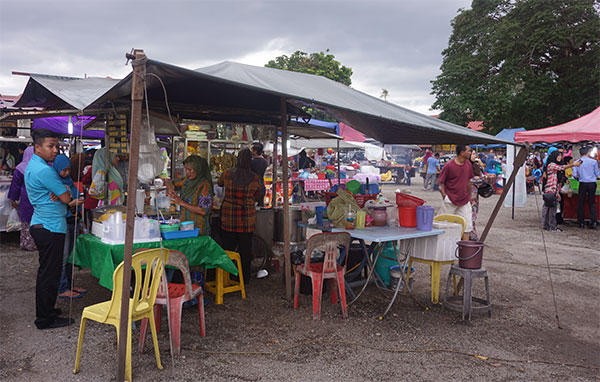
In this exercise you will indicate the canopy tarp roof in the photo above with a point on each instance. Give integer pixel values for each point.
(58, 92)
(61, 125)
(251, 94)
(586, 128)
(506, 134)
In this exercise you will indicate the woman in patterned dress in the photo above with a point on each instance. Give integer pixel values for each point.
(196, 195)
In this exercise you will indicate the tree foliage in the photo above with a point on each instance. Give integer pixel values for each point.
(521, 63)
(321, 64)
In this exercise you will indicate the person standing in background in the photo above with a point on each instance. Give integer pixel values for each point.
(238, 211)
(587, 174)
(455, 187)
(433, 168)
(18, 194)
(259, 166)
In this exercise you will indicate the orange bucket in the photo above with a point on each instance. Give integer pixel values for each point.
(407, 216)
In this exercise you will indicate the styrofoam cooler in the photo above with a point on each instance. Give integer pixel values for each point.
(440, 247)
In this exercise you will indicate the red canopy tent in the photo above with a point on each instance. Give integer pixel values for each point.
(586, 128)
(350, 134)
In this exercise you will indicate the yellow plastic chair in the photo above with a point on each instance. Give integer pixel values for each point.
(223, 284)
(436, 266)
(140, 306)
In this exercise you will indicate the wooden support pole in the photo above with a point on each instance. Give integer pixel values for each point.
(286, 202)
(519, 161)
(274, 178)
(137, 96)
(337, 154)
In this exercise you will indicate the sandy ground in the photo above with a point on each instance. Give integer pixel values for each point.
(262, 338)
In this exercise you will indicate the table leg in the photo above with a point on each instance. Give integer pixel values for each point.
(378, 249)
(406, 260)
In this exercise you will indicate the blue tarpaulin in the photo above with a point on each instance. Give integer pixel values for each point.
(506, 134)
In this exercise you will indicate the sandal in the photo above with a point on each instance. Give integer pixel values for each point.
(69, 294)
(80, 290)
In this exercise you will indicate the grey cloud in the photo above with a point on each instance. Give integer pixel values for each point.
(389, 44)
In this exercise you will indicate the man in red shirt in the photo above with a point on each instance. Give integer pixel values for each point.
(455, 187)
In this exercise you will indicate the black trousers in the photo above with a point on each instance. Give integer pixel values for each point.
(50, 246)
(586, 191)
(240, 242)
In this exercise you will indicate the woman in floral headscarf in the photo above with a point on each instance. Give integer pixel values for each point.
(196, 195)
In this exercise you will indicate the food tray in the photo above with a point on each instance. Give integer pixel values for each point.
(181, 234)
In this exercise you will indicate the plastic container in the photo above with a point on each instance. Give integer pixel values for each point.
(405, 200)
(319, 211)
(361, 217)
(396, 276)
(353, 186)
(186, 226)
(170, 235)
(379, 216)
(407, 216)
(469, 254)
(425, 218)
(386, 259)
(350, 218)
(169, 227)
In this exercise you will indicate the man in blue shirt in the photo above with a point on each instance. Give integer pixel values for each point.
(49, 198)
(587, 174)
(433, 168)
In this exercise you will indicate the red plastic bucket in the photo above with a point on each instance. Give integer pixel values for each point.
(405, 200)
(407, 216)
(469, 254)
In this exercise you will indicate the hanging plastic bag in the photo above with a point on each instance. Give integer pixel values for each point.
(14, 221)
(151, 161)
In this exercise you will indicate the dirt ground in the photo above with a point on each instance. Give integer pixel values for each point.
(262, 338)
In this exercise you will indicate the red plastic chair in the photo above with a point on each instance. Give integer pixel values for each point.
(329, 269)
(177, 295)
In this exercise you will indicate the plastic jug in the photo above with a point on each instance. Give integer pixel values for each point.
(425, 218)
(350, 218)
(361, 217)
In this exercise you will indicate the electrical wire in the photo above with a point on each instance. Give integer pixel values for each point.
(547, 261)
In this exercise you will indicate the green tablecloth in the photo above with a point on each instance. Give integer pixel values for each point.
(90, 252)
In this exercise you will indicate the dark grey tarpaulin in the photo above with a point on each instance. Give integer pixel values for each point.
(60, 93)
(251, 94)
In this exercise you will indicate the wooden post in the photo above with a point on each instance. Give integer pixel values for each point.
(274, 177)
(286, 202)
(519, 160)
(137, 96)
(337, 154)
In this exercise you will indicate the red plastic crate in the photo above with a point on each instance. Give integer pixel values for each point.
(405, 200)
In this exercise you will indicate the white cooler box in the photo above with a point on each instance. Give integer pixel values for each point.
(441, 247)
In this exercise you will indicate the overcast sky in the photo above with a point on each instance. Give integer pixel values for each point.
(394, 45)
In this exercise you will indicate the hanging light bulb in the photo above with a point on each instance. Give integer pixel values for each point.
(70, 126)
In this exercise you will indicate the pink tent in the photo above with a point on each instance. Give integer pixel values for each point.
(586, 128)
(350, 134)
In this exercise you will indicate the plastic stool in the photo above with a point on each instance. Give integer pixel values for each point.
(435, 268)
(452, 302)
(223, 284)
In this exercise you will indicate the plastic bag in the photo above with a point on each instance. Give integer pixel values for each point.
(14, 221)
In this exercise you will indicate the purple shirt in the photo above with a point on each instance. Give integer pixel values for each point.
(18, 192)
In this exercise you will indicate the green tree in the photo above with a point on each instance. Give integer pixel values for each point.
(523, 63)
(321, 64)
(384, 94)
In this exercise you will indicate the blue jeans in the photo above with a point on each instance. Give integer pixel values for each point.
(67, 271)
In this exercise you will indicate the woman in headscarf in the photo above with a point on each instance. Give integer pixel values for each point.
(196, 195)
(238, 211)
(475, 183)
(111, 191)
(551, 190)
(18, 194)
(62, 165)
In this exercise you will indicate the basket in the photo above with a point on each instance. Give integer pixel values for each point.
(360, 199)
(405, 200)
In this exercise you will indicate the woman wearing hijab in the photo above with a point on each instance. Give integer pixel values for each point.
(197, 193)
(115, 183)
(238, 211)
(551, 190)
(475, 183)
(62, 165)
(18, 194)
